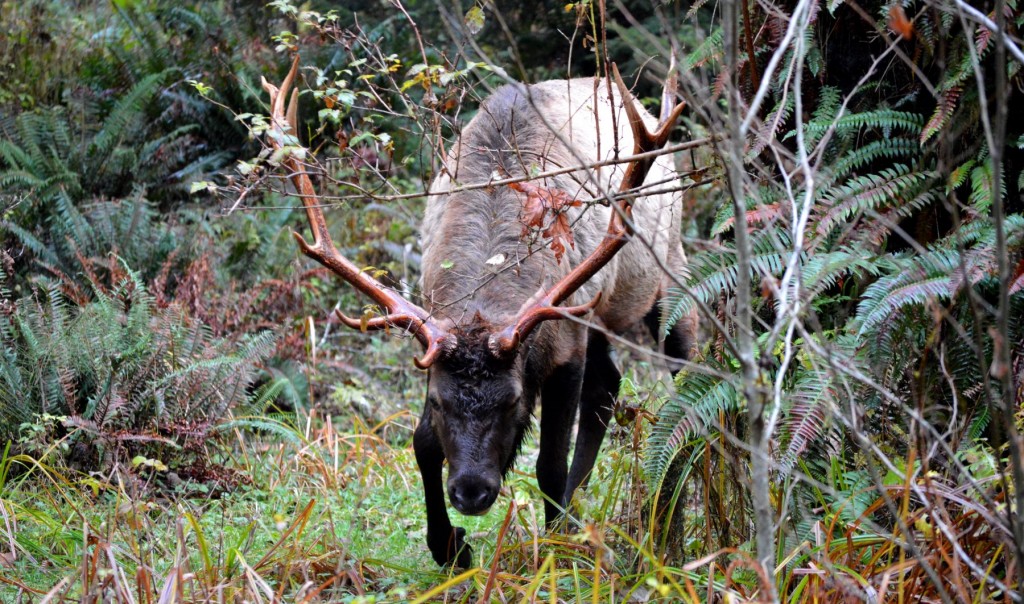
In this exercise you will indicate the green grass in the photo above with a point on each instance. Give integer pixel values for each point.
(335, 507)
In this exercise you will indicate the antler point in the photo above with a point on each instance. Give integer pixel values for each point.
(301, 241)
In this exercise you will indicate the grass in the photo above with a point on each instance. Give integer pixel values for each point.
(316, 507)
(320, 509)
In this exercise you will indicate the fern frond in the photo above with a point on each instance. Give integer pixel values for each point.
(712, 272)
(759, 213)
(894, 148)
(30, 241)
(958, 176)
(707, 51)
(127, 113)
(981, 187)
(809, 403)
(943, 111)
(980, 421)
(14, 157)
(695, 410)
(886, 120)
(262, 424)
(771, 125)
(921, 278)
(866, 192)
(821, 271)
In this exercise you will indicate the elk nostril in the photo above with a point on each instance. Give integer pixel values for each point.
(472, 495)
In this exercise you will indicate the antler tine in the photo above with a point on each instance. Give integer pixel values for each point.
(505, 342)
(438, 341)
(401, 313)
(643, 140)
(668, 94)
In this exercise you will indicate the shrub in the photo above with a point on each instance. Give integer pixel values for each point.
(124, 376)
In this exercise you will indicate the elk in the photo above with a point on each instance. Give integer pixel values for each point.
(496, 335)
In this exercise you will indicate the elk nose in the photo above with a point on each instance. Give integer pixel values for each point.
(472, 495)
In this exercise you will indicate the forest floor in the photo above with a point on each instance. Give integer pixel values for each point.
(315, 508)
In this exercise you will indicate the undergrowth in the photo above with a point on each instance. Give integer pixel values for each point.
(322, 509)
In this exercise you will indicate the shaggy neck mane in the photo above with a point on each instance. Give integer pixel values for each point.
(490, 270)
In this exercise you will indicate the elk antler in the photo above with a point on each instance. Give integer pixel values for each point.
(401, 313)
(545, 307)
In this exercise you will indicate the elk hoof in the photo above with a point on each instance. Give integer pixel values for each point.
(451, 550)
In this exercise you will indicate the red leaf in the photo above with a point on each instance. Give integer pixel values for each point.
(558, 231)
(1017, 281)
(899, 23)
(541, 201)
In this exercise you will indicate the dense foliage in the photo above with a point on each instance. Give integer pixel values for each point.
(167, 359)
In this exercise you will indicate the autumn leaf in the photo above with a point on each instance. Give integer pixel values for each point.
(559, 231)
(541, 201)
(474, 20)
(899, 23)
(1017, 281)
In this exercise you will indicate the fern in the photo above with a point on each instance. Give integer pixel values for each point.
(918, 279)
(714, 272)
(121, 368)
(128, 114)
(263, 424)
(692, 412)
(862, 156)
(709, 50)
(861, 193)
(761, 208)
(808, 407)
(765, 134)
(887, 120)
(823, 270)
(943, 112)
(981, 186)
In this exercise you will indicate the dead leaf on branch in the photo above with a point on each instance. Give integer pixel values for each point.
(541, 201)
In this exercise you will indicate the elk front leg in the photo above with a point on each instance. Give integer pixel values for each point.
(559, 400)
(597, 400)
(447, 543)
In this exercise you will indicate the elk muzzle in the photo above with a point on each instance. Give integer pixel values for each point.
(473, 492)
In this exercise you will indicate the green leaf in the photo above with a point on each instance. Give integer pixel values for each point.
(700, 401)
(202, 185)
(475, 20)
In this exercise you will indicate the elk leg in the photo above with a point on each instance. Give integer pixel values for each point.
(678, 342)
(600, 387)
(447, 543)
(559, 399)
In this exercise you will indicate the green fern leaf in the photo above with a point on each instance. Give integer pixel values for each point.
(886, 120)
(866, 192)
(893, 148)
(936, 274)
(127, 113)
(943, 111)
(713, 272)
(694, 411)
(808, 404)
(707, 51)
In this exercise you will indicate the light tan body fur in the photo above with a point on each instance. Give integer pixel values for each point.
(529, 130)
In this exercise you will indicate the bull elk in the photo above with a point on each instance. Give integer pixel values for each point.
(493, 330)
